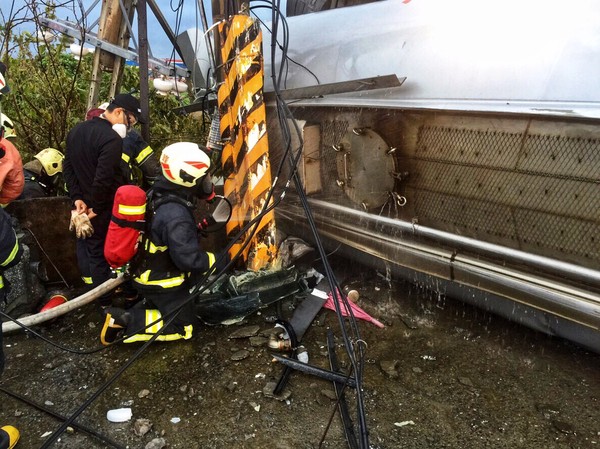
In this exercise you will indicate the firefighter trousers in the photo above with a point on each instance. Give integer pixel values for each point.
(90, 255)
(149, 315)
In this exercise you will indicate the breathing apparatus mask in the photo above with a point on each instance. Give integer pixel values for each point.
(123, 128)
(120, 129)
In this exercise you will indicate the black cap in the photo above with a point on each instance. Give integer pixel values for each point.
(130, 104)
(3, 84)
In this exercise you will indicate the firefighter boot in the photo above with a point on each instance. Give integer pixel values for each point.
(115, 322)
(9, 436)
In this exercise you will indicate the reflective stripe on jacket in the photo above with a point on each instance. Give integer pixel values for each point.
(171, 248)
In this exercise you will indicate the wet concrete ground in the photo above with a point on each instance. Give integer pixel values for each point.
(439, 375)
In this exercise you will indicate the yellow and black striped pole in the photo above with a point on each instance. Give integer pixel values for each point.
(243, 129)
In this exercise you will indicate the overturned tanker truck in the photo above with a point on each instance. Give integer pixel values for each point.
(455, 144)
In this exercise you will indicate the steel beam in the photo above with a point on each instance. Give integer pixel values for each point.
(72, 30)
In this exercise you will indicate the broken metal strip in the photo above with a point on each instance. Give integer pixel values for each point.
(316, 371)
(69, 29)
(339, 392)
(364, 84)
(306, 312)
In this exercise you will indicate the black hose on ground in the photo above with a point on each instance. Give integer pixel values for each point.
(60, 417)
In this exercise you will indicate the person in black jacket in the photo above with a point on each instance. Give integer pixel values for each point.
(92, 175)
(172, 259)
(139, 162)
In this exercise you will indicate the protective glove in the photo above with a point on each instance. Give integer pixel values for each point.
(206, 222)
(81, 224)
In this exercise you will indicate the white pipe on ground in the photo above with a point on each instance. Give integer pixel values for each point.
(38, 318)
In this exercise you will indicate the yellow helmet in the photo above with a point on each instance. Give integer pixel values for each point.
(51, 159)
(9, 128)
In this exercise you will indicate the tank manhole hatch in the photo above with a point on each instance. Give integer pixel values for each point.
(365, 167)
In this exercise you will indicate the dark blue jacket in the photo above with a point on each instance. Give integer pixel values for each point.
(172, 253)
(10, 248)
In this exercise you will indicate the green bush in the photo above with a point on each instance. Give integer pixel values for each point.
(49, 92)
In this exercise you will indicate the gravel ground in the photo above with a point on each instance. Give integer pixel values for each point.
(439, 375)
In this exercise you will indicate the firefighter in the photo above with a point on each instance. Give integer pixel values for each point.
(142, 164)
(11, 165)
(139, 163)
(92, 175)
(171, 259)
(12, 180)
(10, 254)
(10, 248)
(43, 175)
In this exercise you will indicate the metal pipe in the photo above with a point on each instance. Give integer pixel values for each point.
(541, 302)
(565, 269)
(316, 371)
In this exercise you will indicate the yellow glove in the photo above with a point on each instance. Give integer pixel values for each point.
(81, 224)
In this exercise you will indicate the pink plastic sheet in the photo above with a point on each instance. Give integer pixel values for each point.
(356, 311)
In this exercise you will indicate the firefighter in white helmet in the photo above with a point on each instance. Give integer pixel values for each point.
(43, 175)
(171, 259)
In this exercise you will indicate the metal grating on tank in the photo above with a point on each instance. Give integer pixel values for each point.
(534, 192)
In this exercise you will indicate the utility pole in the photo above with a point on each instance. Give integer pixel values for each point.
(113, 30)
(143, 66)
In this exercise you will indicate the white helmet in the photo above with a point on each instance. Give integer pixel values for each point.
(9, 128)
(51, 159)
(184, 163)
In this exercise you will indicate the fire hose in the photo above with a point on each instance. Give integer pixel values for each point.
(57, 311)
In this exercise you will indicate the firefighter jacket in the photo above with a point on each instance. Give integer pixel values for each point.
(10, 249)
(11, 173)
(38, 184)
(170, 252)
(140, 162)
(92, 164)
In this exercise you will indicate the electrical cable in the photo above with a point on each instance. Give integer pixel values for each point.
(58, 432)
(357, 363)
(287, 57)
(60, 417)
